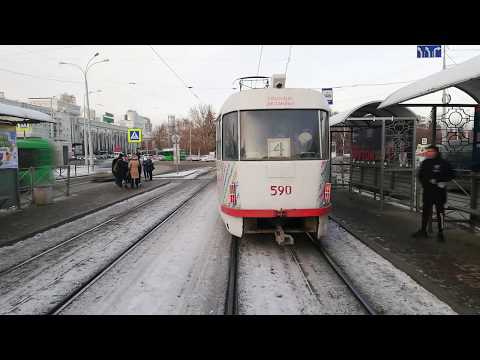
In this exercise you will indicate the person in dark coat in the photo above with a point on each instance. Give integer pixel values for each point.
(123, 168)
(434, 174)
(145, 167)
(150, 167)
(116, 170)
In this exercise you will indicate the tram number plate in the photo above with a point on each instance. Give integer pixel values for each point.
(280, 190)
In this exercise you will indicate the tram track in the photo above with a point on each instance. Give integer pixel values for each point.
(100, 273)
(231, 300)
(116, 217)
(47, 286)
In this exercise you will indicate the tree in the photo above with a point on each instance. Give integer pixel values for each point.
(201, 123)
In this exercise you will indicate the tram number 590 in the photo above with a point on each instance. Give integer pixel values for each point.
(280, 190)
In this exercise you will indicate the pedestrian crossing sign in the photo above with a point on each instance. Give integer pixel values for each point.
(134, 135)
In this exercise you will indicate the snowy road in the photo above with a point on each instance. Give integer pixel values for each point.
(179, 269)
(41, 285)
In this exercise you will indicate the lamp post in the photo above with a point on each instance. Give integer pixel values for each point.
(85, 72)
(85, 143)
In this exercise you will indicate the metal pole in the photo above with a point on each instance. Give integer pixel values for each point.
(434, 125)
(382, 168)
(85, 147)
(17, 193)
(68, 179)
(413, 181)
(89, 130)
(190, 138)
(32, 175)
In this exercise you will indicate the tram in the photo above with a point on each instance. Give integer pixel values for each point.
(273, 160)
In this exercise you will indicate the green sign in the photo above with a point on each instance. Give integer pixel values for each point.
(107, 119)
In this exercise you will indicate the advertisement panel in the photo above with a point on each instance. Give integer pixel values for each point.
(8, 147)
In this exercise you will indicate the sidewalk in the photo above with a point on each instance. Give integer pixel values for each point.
(450, 270)
(24, 223)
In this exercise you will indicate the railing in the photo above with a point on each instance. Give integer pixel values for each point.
(34, 180)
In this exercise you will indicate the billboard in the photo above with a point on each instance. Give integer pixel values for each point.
(8, 147)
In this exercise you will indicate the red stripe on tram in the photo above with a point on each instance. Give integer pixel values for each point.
(275, 213)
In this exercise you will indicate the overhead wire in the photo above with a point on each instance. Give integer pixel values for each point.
(289, 57)
(259, 59)
(174, 72)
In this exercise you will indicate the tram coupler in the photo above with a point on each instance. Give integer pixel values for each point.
(281, 238)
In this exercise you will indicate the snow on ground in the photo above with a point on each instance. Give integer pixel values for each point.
(271, 283)
(179, 269)
(189, 174)
(18, 252)
(39, 286)
(389, 289)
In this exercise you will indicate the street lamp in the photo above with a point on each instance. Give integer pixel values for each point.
(85, 72)
(85, 144)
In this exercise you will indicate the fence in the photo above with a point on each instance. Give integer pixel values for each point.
(39, 184)
(382, 159)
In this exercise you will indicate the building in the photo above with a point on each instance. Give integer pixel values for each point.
(133, 120)
(67, 130)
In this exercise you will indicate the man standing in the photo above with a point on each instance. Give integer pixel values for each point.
(434, 173)
(150, 168)
(116, 170)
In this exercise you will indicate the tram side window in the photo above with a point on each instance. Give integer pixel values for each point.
(218, 141)
(230, 136)
(324, 135)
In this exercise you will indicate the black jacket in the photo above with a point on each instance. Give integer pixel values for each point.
(438, 169)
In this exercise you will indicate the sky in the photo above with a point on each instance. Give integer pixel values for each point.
(160, 78)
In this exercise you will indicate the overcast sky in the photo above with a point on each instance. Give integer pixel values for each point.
(33, 71)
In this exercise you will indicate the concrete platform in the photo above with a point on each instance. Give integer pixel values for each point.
(450, 270)
(21, 224)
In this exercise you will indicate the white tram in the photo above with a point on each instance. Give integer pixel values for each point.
(273, 161)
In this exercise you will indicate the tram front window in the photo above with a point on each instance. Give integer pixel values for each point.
(283, 135)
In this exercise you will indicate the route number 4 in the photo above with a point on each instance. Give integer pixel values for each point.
(280, 190)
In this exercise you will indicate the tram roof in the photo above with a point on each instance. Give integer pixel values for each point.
(464, 76)
(272, 98)
(14, 114)
(368, 111)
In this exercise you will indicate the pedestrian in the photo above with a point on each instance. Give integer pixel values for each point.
(145, 167)
(150, 168)
(434, 173)
(134, 171)
(116, 170)
(124, 171)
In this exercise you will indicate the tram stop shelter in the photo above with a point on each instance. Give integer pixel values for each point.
(10, 117)
(456, 131)
(376, 151)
